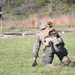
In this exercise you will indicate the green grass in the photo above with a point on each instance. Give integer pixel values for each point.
(16, 57)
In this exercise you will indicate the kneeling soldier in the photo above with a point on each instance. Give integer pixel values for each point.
(52, 44)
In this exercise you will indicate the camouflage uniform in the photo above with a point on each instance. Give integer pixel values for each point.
(51, 49)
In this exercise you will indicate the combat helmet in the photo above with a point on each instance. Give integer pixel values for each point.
(43, 25)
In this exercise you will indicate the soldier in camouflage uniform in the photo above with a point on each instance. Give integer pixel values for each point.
(52, 44)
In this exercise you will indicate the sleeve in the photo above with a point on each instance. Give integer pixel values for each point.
(36, 46)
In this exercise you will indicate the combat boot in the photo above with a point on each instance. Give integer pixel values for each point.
(72, 64)
(68, 62)
(53, 65)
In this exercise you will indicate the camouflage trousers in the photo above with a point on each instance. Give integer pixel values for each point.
(49, 53)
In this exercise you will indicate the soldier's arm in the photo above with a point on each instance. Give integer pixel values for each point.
(36, 48)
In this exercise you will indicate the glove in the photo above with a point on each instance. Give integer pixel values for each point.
(34, 62)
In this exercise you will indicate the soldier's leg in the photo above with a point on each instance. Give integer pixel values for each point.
(48, 58)
(63, 56)
(60, 52)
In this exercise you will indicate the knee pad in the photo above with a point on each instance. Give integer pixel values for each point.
(47, 59)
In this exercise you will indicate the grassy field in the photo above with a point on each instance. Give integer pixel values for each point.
(16, 56)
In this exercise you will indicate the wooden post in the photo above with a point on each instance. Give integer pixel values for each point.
(1, 25)
(1, 18)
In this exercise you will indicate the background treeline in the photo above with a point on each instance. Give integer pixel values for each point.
(24, 8)
(19, 15)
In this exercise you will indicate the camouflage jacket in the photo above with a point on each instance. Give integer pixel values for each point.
(38, 43)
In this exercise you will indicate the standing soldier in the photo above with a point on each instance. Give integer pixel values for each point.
(52, 44)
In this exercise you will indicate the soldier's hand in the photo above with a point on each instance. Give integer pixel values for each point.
(34, 62)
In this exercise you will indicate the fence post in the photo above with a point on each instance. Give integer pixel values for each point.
(1, 18)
